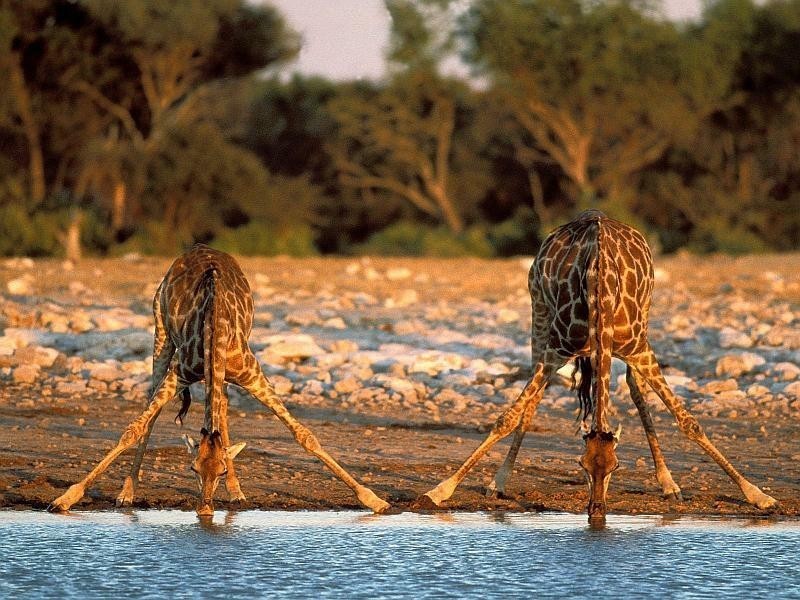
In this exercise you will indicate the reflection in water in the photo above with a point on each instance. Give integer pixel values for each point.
(358, 555)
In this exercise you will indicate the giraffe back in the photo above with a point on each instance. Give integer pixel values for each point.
(560, 282)
(184, 302)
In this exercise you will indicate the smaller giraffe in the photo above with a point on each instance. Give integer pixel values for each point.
(203, 313)
(590, 286)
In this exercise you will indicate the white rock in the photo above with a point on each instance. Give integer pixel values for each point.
(660, 274)
(20, 286)
(784, 370)
(434, 363)
(77, 386)
(292, 346)
(104, 371)
(793, 390)
(335, 323)
(732, 338)
(507, 315)
(25, 373)
(398, 273)
(734, 365)
(406, 298)
(395, 384)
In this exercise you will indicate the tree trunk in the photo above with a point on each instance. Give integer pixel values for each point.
(451, 216)
(118, 202)
(71, 239)
(22, 99)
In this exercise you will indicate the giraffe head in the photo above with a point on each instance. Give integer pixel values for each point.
(209, 465)
(599, 461)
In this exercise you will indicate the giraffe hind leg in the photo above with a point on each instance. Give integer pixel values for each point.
(637, 385)
(647, 365)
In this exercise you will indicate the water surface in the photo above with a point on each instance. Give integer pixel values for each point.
(252, 554)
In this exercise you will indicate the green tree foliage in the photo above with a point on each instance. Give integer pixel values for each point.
(145, 125)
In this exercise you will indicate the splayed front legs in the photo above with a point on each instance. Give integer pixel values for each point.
(263, 391)
(647, 366)
(637, 386)
(504, 425)
(133, 433)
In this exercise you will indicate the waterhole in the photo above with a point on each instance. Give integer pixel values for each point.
(253, 554)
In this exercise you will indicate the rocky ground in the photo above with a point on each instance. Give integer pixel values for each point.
(399, 366)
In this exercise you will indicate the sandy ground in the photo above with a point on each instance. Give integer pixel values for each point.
(399, 444)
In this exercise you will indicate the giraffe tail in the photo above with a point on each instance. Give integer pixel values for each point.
(215, 344)
(601, 329)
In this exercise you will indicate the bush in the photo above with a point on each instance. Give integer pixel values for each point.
(23, 234)
(410, 239)
(517, 235)
(258, 238)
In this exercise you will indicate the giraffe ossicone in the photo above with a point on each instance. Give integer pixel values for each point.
(590, 287)
(203, 313)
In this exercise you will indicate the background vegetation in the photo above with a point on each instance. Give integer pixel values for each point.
(146, 125)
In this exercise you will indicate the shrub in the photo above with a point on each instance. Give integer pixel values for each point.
(410, 239)
(258, 238)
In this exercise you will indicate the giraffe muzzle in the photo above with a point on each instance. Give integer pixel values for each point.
(206, 509)
(597, 510)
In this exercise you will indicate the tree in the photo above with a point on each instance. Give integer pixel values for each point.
(596, 87)
(399, 139)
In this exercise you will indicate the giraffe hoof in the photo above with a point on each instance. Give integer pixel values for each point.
(673, 496)
(424, 502)
(768, 503)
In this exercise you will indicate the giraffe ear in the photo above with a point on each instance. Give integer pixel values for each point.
(232, 451)
(617, 434)
(191, 444)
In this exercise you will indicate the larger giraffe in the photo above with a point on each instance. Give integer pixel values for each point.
(203, 313)
(590, 287)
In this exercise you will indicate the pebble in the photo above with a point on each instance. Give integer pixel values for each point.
(732, 338)
(734, 365)
(26, 373)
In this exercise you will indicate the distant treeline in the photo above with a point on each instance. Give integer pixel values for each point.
(145, 125)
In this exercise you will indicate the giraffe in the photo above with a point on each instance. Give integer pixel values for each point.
(203, 313)
(590, 286)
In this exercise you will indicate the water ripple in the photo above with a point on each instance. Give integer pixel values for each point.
(156, 554)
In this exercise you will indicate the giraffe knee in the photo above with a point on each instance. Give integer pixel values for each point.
(307, 440)
(691, 428)
(506, 423)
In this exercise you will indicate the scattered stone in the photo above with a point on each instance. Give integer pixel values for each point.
(20, 286)
(716, 387)
(792, 390)
(298, 346)
(507, 315)
(784, 371)
(347, 385)
(734, 365)
(405, 299)
(732, 338)
(26, 373)
(398, 273)
(335, 323)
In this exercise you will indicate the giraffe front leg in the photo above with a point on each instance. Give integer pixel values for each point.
(636, 384)
(263, 391)
(647, 365)
(504, 425)
(231, 481)
(163, 351)
(132, 434)
(497, 487)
